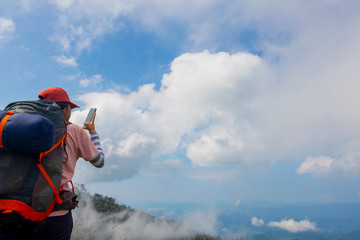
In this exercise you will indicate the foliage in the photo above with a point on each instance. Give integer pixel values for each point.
(102, 204)
(105, 204)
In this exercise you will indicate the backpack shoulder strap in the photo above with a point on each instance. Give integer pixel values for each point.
(42, 170)
(2, 125)
(61, 143)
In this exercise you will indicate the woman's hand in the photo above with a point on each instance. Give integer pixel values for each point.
(91, 125)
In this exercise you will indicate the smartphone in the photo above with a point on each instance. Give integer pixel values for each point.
(90, 115)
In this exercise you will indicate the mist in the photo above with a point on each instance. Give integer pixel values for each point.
(89, 224)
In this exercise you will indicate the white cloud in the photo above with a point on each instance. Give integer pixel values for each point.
(221, 145)
(91, 82)
(237, 203)
(347, 165)
(199, 93)
(294, 226)
(66, 61)
(82, 22)
(134, 145)
(7, 29)
(257, 222)
(320, 165)
(195, 102)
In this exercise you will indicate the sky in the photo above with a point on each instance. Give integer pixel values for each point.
(200, 101)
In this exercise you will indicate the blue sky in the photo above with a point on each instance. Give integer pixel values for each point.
(200, 101)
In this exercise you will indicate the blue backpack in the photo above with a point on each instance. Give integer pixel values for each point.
(32, 141)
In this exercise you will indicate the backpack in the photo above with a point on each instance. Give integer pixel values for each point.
(32, 142)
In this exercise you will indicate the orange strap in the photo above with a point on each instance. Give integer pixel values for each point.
(58, 200)
(62, 141)
(42, 169)
(10, 205)
(72, 187)
(2, 125)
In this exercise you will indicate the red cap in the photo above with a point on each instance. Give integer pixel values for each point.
(56, 94)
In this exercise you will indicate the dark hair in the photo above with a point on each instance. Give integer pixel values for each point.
(62, 105)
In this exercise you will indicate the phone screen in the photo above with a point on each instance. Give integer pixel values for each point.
(90, 115)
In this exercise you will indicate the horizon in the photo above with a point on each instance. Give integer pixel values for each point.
(328, 221)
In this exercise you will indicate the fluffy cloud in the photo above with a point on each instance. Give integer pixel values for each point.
(220, 143)
(317, 166)
(82, 22)
(294, 226)
(193, 110)
(7, 29)
(91, 82)
(289, 225)
(257, 222)
(66, 61)
(348, 165)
